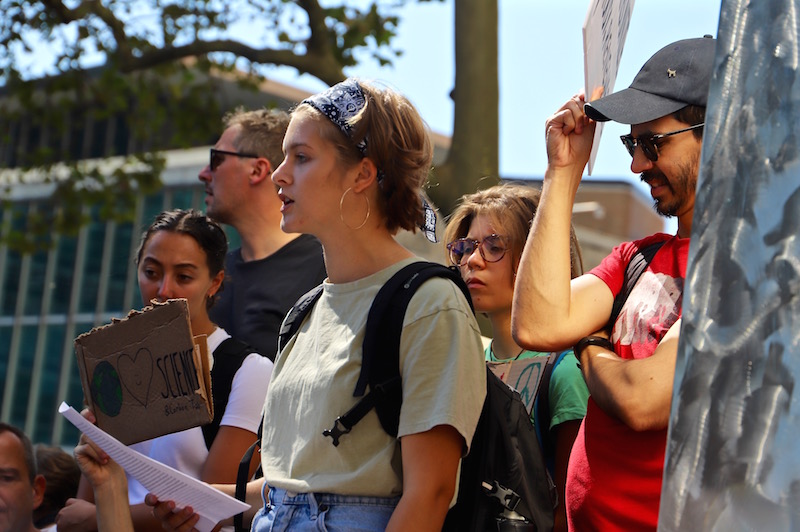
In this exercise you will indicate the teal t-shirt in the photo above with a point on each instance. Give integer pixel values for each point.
(568, 391)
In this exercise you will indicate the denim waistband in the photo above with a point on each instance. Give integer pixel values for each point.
(281, 496)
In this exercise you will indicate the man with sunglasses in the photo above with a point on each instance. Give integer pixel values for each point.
(616, 464)
(271, 269)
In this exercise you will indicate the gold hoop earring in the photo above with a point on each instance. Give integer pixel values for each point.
(341, 213)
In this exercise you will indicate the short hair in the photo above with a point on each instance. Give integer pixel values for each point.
(399, 144)
(27, 448)
(206, 232)
(692, 115)
(62, 475)
(510, 208)
(261, 132)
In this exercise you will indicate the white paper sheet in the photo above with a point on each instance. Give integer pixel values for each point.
(161, 480)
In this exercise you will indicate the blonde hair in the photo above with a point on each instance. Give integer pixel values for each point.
(510, 208)
(261, 132)
(398, 143)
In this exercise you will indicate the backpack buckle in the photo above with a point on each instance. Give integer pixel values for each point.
(507, 497)
(337, 430)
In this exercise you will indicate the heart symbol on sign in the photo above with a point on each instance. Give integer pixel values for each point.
(136, 373)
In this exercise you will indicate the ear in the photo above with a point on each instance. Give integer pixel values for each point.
(367, 174)
(216, 282)
(261, 170)
(39, 484)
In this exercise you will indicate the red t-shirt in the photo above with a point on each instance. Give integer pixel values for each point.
(615, 473)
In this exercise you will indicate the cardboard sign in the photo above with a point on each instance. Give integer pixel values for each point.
(524, 376)
(145, 376)
(604, 32)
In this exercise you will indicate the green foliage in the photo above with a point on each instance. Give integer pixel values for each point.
(154, 69)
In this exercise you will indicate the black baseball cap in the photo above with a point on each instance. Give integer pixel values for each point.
(676, 76)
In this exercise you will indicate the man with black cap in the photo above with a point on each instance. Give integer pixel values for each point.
(616, 464)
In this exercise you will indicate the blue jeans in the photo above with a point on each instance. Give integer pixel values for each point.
(322, 511)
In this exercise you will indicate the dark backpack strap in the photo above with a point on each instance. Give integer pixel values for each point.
(542, 409)
(243, 476)
(636, 267)
(294, 318)
(291, 323)
(380, 364)
(228, 358)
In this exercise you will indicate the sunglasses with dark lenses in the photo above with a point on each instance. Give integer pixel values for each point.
(218, 157)
(650, 144)
(492, 249)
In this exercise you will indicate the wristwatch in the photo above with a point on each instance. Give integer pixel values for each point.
(586, 341)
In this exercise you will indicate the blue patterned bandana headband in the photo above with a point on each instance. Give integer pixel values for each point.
(340, 104)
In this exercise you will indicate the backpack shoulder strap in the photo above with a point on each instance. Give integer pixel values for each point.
(294, 318)
(380, 365)
(636, 267)
(542, 405)
(228, 358)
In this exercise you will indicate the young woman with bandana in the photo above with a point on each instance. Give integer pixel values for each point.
(485, 235)
(356, 158)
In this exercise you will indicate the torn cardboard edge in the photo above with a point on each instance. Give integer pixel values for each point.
(146, 375)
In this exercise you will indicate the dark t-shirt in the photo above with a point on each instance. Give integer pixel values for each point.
(257, 294)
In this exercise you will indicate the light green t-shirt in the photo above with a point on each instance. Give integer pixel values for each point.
(315, 375)
(568, 391)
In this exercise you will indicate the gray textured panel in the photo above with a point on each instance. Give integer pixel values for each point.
(733, 455)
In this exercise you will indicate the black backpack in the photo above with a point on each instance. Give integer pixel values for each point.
(504, 480)
(228, 358)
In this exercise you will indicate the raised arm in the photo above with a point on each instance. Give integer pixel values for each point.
(637, 392)
(109, 484)
(549, 311)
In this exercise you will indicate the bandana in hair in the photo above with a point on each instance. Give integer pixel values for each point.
(339, 104)
(428, 224)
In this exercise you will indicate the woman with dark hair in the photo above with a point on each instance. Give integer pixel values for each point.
(182, 255)
(485, 235)
(357, 157)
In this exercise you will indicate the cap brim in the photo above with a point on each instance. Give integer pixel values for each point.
(631, 106)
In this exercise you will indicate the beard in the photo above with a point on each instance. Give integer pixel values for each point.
(682, 187)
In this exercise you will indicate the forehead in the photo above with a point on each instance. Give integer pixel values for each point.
(482, 225)
(11, 453)
(164, 244)
(228, 136)
(304, 128)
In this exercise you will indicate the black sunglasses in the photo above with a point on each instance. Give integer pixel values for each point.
(492, 249)
(218, 157)
(650, 144)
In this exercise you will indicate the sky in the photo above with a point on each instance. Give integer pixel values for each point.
(541, 66)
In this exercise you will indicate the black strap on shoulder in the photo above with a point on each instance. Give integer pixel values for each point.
(228, 358)
(543, 403)
(636, 267)
(294, 318)
(291, 323)
(243, 476)
(380, 364)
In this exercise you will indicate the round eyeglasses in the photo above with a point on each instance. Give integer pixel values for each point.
(650, 143)
(492, 249)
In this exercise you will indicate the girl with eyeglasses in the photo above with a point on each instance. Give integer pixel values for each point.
(356, 158)
(485, 235)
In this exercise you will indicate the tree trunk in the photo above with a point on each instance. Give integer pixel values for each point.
(473, 157)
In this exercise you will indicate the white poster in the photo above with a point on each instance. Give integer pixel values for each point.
(604, 33)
